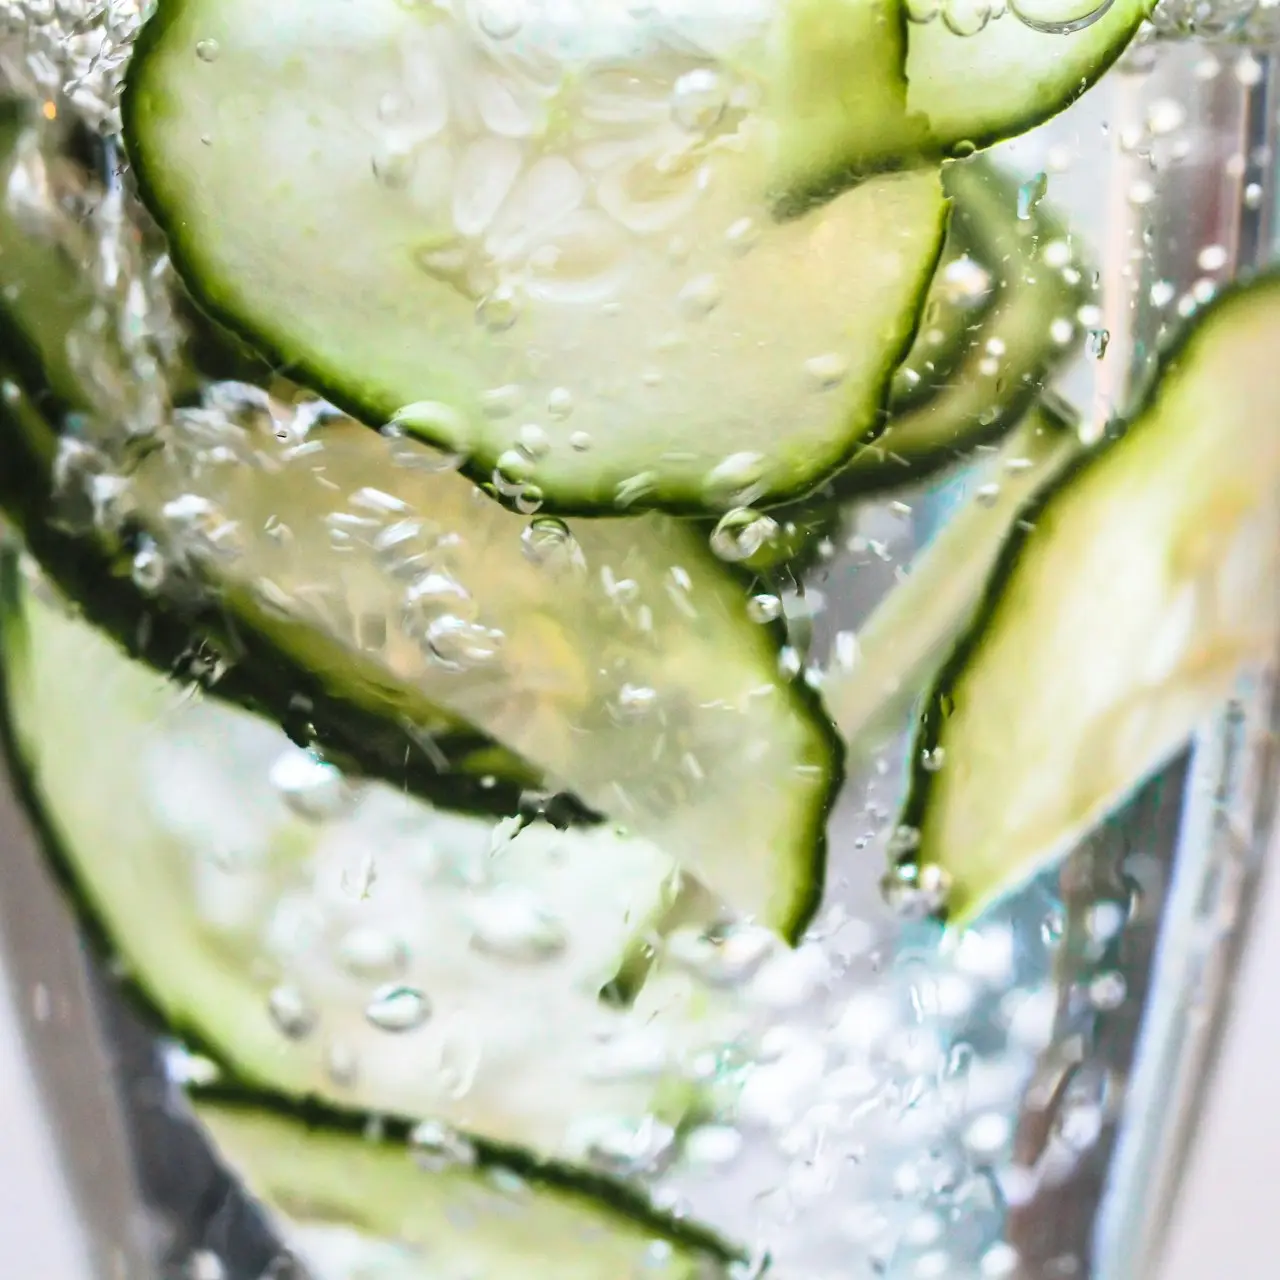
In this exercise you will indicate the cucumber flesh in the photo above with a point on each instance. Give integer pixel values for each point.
(612, 659)
(431, 227)
(901, 643)
(350, 1207)
(1129, 596)
(350, 945)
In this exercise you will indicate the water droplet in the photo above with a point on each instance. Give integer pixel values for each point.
(741, 533)
(368, 952)
(913, 890)
(311, 787)
(699, 100)
(1213, 257)
(457, 642)
(398, 1008)
(1096, 341)
(500, 19)
(764, 608)
(700, 296)
(511, 923)
(826, 371)
(208, 50)
(290, 1013)
(1030, 193)
(437, 1147)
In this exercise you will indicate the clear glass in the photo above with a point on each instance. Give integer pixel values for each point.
(1017, 1105)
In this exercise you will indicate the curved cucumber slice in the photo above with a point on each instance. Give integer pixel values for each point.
(906, 637)
(351, 1207)
(985, 372)
(554, 255)
(393, 604)
(1125, 602)
(353, 945)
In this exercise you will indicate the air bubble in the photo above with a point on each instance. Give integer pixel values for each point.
(498, 310)
(723, 958)
(700, 296)
(626, 1146)
(966, 282)
(633, 701)
(914, 891)
(735, 480)
(742, 235)
(533, 441)
(500, 19)
(548, 541)
(148, 567)
(965, 17)
(458, 643)
(437, 1146)
(741, 533)
(826, 371)
(923, 11)
(580, 441)
(1107, 991)
(933, 758)
(1059, 17)
(208, 50)
(290, 1013)
(1030, 193)
(560, 402)
(1213, 257)
(512, 924)
(398, 1008)
(512, 471)
(1164, 116)
(764, 608)
(311, 787)
(699, 100)
(437, 423)
(1096, 342)
(367, 952)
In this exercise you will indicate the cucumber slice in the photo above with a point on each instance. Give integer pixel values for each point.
(350, 1207)
(988, 370)
(902, 642)
(350, 945)
(469, 236)
(1124, 604)
(617, 658)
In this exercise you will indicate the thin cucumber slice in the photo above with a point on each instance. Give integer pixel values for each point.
(394, 608)
(981, 385)
(568, 232)
(900, 645)
(351, 1207)
(351, 945)
(1126, 600)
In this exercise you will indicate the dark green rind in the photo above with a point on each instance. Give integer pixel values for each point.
(934, 428)
(624, 1199)
(338, 390)
(1020, 541)
(621, 1197)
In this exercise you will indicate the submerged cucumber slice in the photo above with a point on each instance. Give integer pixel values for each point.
(351, 945)
(392, 605)
(985, 372)
(553, 254)
(1126, 601)
(901, 643)
(350, 1207)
